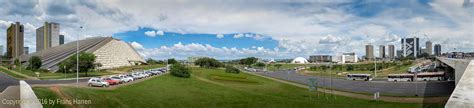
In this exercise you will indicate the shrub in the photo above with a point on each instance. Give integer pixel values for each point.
(231, 69)
(208, 63)
(34, 63)
(179, 70)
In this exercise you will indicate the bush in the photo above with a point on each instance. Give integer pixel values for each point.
(172, 61)
(34, 63)
(231, 69)
(260, 64)
(179, 70)
(208, 63)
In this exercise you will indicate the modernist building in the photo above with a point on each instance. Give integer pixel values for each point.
(346, 58)
(47, 36)
(429, 48)
(299, 60)
(411, 47)
(61, 39)
(320, 58)
(1, 49)
(110, 53)
(26, 50)
(15, 40)
(382, 51)
(437, 50)
(399, 53)
(369, 52)
(391, 51)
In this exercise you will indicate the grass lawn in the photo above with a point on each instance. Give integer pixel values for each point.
(12, 74)
(209, 88)
(285, 66)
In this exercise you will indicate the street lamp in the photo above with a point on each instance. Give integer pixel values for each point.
(77, 57)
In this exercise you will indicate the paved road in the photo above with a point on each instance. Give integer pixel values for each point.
(6, 81)
(433, 88)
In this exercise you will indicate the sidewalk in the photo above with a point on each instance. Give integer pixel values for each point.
(10, 97)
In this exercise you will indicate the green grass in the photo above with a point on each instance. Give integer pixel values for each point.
(284, 66)
(12, 74)
(202, 90)
(46, 94)
(391, 69)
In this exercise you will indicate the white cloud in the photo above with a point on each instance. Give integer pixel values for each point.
(159, 32)
(238, 35)
(219, 35)
(150, 33)
(297, 26)
(137, 45)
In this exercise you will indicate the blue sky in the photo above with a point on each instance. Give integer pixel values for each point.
(171, 38)
(234, 29)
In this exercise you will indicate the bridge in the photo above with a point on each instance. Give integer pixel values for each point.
(463, 94)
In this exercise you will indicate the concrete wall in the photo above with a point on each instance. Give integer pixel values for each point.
(463, 94)
(28, 97)
(115, 54)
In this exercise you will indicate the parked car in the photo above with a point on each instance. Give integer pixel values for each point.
(126, 78)
(97, 82)
(121, 80)
(111, 81)
(135, 77)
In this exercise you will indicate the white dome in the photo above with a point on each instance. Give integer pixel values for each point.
(299, 60)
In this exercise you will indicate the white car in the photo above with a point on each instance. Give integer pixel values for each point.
(126, 78)
(97, 82)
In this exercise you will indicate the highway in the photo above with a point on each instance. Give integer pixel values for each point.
(6, 81)
(431, 88)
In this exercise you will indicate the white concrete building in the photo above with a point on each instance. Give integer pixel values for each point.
(346, 58)
(299, 60)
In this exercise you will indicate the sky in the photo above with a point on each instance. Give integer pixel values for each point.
(269, 29)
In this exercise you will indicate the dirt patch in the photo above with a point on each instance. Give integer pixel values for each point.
(61, 95)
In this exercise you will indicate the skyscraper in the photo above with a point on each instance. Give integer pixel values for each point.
(15, 40)
(47, 36)
(429, 47)
(61, 39)
(1, 49)
(369, 52)
(26, 50)
(437, 49)
(410, 47)
(382, 51)
(391, 51)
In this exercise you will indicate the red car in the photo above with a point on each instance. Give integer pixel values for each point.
(111, 81)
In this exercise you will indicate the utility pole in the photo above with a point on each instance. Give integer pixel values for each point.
(77, 57)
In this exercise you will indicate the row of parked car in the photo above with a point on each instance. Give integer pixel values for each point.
(124, 78)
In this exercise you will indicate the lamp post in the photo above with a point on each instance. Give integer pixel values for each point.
(77, 57)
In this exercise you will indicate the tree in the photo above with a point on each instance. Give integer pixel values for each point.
(34, 63)
(151, 61)
(350, 68)
(180, 70)
(86, 63)
(16, 62)
(248, 61)
(172, 61)
(208, 63)
(260, 64)
(231, 69)
(278, 66)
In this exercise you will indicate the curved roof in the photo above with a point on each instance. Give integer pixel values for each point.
(299, 60)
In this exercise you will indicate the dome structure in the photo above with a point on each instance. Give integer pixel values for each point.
(299, 60)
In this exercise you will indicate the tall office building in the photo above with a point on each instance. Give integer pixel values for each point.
(47, 36)
(26, 50)
(429, 48)
(15, 40)
(391, 51)
(382, 51)
(411, 47)
(1, 49)
(399, 53)
(61, 39)
(369, 52)
(437, 50)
